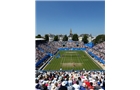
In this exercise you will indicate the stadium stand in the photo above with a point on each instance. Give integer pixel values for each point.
(98, 50)
(70, 80)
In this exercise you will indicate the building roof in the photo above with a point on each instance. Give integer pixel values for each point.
(39, 39)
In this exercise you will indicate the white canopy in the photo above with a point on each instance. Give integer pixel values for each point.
(39, 39)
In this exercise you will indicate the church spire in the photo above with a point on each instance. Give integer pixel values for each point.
(70, 31)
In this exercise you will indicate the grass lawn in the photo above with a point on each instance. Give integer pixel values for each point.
(68, 60)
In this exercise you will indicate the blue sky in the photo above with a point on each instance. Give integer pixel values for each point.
(57, 17)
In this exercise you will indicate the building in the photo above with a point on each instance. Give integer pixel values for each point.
(70, 36)
(80, 37)
(51, 37)
(90, 38)
(60, 37)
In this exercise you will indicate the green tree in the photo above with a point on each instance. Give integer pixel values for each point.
(38, 36)
(75, 37)
(56, 38)
(46, 37)
(85, 39)
(100, 38)
(65, 38)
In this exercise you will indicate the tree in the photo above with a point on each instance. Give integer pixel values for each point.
(84, 39)
(38, 36)
(46, 37)
(65, 38)
(75, 37)
(56, 38)
(100, 38)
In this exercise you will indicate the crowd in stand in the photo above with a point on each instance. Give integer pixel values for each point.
(74, 80)
(75, 44)
(98, 50)
(44, 48)
(39, 54)
(100, 47)
(66, 44)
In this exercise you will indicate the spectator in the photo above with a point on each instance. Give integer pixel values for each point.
(83, 87)
(38, 86)
(91, 86)
(63, 87)
(76, 86)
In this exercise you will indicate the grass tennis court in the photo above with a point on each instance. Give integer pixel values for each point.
(68, 60)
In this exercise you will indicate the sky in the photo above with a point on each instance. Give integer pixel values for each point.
(58, 17)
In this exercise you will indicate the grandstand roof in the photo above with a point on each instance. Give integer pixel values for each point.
(39, 39)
